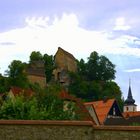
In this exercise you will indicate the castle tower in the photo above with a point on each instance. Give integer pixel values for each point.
(36, 73)
(64, 62)
(129, 105)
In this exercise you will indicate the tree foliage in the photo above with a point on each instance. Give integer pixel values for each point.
(94, 79)
(4, 84)
(45, 105)
(49, 66)
(96, 68)
(35, 55)
(16, 74)
(48, 62)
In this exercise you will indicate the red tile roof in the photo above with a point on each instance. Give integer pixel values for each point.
(65, 95)
(131, 114)
(18, 91)
(102, 108)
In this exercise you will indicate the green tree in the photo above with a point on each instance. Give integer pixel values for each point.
(46, 106)
(17, 76)
(35, 55)
(100, 68)
(93, 81)
(87, 90)
(4, 84)
(49, 66)
(110, 89)
(82, 68)
(48, 62)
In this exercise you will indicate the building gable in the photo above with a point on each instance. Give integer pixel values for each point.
(105, 109)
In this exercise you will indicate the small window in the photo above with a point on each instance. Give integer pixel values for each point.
(127, 108)
(114, 111)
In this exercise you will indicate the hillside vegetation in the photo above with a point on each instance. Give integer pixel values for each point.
(94, 80)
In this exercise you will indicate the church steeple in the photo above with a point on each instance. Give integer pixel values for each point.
(129, 99)
(129, 105)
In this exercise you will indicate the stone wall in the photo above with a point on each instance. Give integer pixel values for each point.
(65, 60)
(37, 79)
(45, 130)
(64, 130)
(116, 133)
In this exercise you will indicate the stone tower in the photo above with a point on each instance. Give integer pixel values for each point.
(36, 73)
(64, 62)
(129, 105)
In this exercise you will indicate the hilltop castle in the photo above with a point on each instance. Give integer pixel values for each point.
(64, 63)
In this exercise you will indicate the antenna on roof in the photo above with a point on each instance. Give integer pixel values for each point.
(129, 82)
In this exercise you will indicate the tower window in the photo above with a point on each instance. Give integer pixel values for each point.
(127, 108)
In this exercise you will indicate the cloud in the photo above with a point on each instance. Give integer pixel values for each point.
(121, 24)
(46, 35)
(7, 43)
(132, 70)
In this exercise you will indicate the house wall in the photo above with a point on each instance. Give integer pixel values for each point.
(130, 108)
(64, 130)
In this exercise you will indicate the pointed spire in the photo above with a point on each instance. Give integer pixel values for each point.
(129, 99)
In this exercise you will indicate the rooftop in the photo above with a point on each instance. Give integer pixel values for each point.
(102, 108)
(131, 114)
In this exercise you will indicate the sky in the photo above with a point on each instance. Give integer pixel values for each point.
(110, 27)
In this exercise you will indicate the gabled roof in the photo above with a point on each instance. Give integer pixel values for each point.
(92, 112)
(131, 114)
(102, 108)
(82, 109)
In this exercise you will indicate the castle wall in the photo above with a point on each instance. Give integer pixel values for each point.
(66, 61)
(37, 79)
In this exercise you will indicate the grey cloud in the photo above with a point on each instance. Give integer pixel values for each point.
(7, 43)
